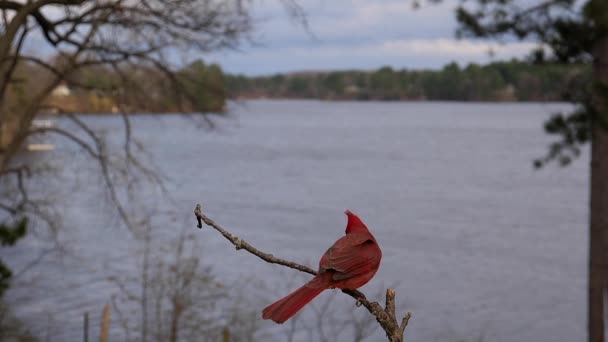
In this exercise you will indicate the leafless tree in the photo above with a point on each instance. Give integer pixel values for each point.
(45, 43)
(176, 296)
(173, 298)
(124, 38)
(86, 33)
(239, 311)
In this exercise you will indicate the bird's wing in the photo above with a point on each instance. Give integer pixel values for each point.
(352, 255)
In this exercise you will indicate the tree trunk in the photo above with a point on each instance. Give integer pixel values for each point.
(598, 233)
(598, 218)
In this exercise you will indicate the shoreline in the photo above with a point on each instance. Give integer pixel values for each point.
(241, 101)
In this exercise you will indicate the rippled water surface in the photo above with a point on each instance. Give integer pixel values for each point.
(476, 242)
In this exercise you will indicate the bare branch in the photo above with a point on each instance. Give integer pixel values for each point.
(15, 170)
(8, 209)
(13, 63)
(33, 263)
(241, 244)
(386, 317)
(74, 138)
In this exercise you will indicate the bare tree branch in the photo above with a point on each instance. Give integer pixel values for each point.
(386, 317)
(85, 146)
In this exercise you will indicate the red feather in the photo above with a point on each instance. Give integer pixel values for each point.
(348, 264)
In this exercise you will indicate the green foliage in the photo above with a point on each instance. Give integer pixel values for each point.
(571, 35)
(96, 77)
(499, 81)
(9, 234)
(204, 86)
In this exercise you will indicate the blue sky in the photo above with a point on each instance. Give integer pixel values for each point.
(358, 34)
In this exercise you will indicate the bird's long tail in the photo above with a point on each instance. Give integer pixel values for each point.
(285, 308)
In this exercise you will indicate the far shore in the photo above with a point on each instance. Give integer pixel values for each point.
(236, 101)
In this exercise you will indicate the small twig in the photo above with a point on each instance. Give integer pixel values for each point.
(8, 208)
(404, 321)
(386, 317)
(33, 263)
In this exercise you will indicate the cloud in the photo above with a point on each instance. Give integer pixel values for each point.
(455, 48)
(348, 34)
(354, 22)
(360, 34)
(399, 54)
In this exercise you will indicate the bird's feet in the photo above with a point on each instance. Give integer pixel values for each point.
(358, 295)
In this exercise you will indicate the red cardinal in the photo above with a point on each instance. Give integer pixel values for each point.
(349, 264)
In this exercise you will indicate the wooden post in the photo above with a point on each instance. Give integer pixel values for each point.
(226, 335)
(85, 336)
(105, 324)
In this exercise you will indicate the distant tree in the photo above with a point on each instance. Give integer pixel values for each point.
(298, 85)
(205, 86)
(333, 83)
(384, 82)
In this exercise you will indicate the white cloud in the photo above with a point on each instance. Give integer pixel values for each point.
(348, 22)
(455, 48)
(404, 53)
(362, 34)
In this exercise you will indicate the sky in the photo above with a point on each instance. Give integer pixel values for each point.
(358, 34)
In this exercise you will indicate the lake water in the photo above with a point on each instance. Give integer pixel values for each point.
(476, 242)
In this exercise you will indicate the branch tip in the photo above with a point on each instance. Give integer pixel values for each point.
(405, 321)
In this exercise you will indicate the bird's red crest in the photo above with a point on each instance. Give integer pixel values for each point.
(354, 222)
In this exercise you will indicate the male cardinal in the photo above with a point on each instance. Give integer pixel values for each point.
(349, 264)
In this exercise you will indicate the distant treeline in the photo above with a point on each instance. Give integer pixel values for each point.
(197, 87)
(142, 88)
(500, 81)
